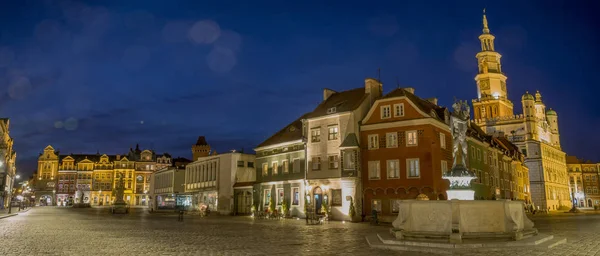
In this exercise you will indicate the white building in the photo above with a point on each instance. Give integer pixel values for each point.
(333, 149)
(166, 188)
(210, 180)
(535, 131)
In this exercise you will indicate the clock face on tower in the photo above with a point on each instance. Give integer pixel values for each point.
(484, 85)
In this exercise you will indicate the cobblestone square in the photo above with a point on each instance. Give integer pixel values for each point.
(67, 231)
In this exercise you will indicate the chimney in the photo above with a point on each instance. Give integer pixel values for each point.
(433, 100)
(409, 89)
(374, 88)
(327, 93)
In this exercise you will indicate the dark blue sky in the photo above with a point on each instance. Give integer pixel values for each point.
(105, 75)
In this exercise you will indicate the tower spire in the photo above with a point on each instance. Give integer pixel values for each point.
(486, 29)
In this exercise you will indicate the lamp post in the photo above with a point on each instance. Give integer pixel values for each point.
(11, 193)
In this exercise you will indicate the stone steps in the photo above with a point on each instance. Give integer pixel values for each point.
(388, 241)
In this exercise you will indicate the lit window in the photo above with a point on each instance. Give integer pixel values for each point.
(444, 167)
(349, 160)
(286, 166)
(411, 138)
(391, 140)
(240, 163)
(333, 162)
(280, 196)
(267, 197)
(333, 132)
(393, 169)
(442, 140)
(265, 169)
(385, 112)
(412, 167)
(295, 196)
(373, 141)
(399, 110)
(374, 170)
(275, 168)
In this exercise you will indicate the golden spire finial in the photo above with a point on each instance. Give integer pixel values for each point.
(485, 23)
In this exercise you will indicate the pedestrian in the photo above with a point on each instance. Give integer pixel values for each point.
(180, 216)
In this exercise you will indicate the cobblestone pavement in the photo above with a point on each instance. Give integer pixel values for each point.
(67, 231)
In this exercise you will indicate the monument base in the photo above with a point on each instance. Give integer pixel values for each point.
(461, 194)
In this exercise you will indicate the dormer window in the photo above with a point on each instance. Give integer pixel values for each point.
(331, 110)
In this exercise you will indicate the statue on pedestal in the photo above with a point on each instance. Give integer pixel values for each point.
(120, 206)
(459, 176)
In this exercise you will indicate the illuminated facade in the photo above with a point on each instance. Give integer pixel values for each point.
(535, 131)
(8, 159)
(584, 182)
(91, 178)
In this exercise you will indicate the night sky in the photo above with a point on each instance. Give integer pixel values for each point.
(105, 75)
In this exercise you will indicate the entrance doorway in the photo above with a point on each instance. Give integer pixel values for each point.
(244, 202)
(318, 193)
(590, 203)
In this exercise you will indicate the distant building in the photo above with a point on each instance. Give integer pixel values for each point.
(168, 186)
(584, 182)
(209, 180)
(92, 178)
(200, 149)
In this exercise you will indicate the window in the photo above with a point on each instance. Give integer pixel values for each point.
(349, 160)
(376, 205)
(333, 132)
(393, 169)
(385, 112)
(240, 163)
(333, 162)
(280, 196)
(315, 134)
(485, 157)
(479, 154)
(398, 110)
(373, 141)
(251, 164)
(265, 169)
(442, 140)
(374, 170)
(267, 196)
(473, 152)
(295, 196)
(395, 206)
(316, 163)
(587, 178)
(391, 140)
(444, 167)
(286, 166)
(336, 195)
(296, 167)
(595, 190)
(412, 167)
(275, 168)
(411, 138)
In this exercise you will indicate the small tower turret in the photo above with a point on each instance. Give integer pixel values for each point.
(200, 149)
(529, 113)
(552, 118)
(540, 107)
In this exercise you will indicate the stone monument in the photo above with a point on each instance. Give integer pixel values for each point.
(120, 206)
(459, 176)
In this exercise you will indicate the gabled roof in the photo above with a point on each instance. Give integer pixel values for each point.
(291, 132)
(342, 101)
(350, 141)
(423, 105)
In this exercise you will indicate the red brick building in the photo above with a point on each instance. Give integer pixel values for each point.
(406, 146)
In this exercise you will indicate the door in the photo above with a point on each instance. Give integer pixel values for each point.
(318, 199)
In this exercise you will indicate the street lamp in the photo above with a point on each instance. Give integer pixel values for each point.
(11, 193)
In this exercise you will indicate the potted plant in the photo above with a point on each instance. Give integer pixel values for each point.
(284, 208)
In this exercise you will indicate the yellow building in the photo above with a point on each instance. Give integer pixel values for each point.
(535, 131)
(8, 159)
(93, 178)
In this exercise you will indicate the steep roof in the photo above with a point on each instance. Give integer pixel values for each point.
(290, 132)
(342, 101)
(92, 157)
(422, 104)
(201, 141)
(350, 141)
(572, 160)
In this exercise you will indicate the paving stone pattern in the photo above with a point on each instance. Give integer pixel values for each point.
(66, 231)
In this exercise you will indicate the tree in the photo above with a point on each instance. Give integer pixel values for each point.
(272, 205)
(284, 208)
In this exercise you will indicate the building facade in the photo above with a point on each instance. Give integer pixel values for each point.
(535, 131)
(333, 150)
(91, 178)
(168, 184)
(407, 147)
(280, 171)
(8, 158)
(584, 182)
(209, 180)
